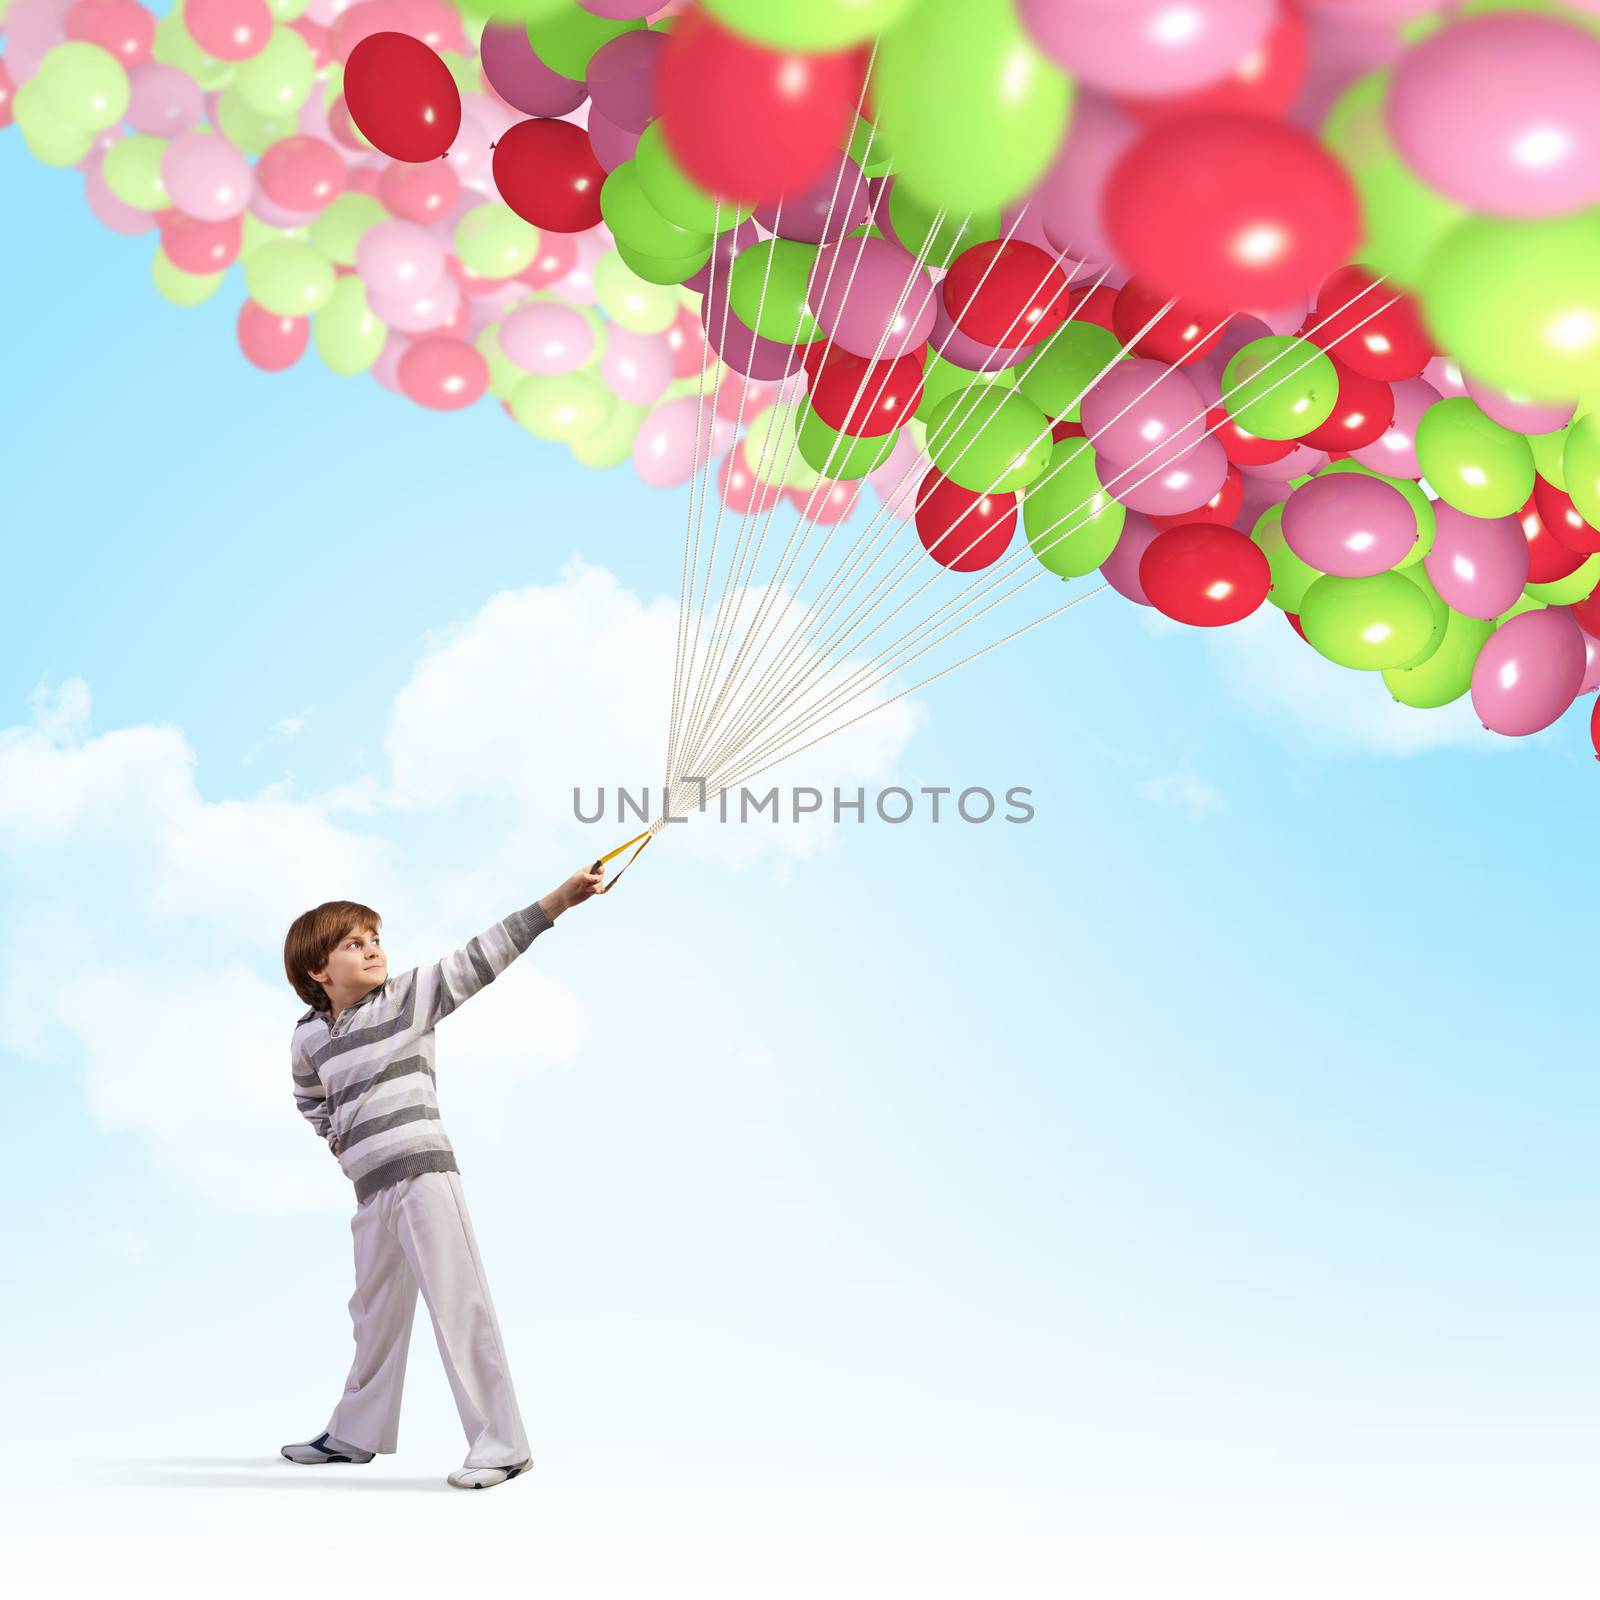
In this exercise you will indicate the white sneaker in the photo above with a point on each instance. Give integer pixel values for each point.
(324, 1448)
(486, 1477)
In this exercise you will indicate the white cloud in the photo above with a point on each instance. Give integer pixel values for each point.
(1186, 790)
(289, 725)
(127, 1246)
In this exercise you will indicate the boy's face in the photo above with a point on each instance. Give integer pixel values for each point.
(355, 965)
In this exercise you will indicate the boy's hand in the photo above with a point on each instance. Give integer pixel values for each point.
(579, 887)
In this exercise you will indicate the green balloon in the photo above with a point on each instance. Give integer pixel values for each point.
(933, 235)
(1421, 507)
(256, 233)
(674, 194)
(1543, 341)
(771, 446)
(1577, 585)
(973, 111)
(287, 10)
(1280, 387)
(1291, 576)
(494, 242)
(132, 171)
(1065, 365)
(568, 406)
(50, 140)
(174, 46)
(612, 443)
(1523, 602)
(277, 81)
(1580, 465)
(1440, 612)
(84, 85)
(767, 289)
(1548, 449)
(941, 379)
(340, 224)
(504, 373)
(348, 337)
(178, 287)
(808, 25)
(245, 127)
(836, 455)
(1446, 674)
(564, 39)
(662, 269)
(629, 300)
(1072, 523)
(636, 223)
(1402, 218)
(989, 439)
(1367, 623)
(870, 150)
(1475, 465)
(289, 279)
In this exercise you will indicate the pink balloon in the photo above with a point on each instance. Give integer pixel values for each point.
(520, 78)
(637, 366)
(279, 216)
(200, 247)
(443, 374)
(1148, 47)
(870, 298)
(386, 369)
(399, 259)
(1528, 671)
(33, 27)
(611, 145)
(1445, 376)
(949, 342)
(675, 438)
(470, 157)
(1502, 113)
(686, 341)
(828, 210)
(122, 28)
(1521, 416)
(271, 342)
(826, 503)
(1591, 664)
(110, 210)
(206, 177)
(361, 21)
(1478, 564)
(547, 337)
(422, 313)
(436, 23)
(301, 173)
(1300, 461)
(230, 30)
(741, 492)
(1350, 525)
(557, 256)
(1395, 451)
(900, 476)
(621, 78)
(577, 287)
(1138, 406)
(620, 10)
(1069, 194)
(1121, 568)
(1171, 481)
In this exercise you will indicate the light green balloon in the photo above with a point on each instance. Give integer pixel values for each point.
(1280, 387)
(286, 10)
(257, 233)
(767, 289)
(1580, 465)
(674, 194)
(635, 222)
(289, 279)
(1548, 449)
(464, 69)
(277, 81)
(1065, 365)
(1446, 674)
(476, 13)
(504, 373)
(1577, 585)
(836, 455)
(568, 406)
(174, 46)
(989, 439)
(662, 269)
(1402, 218)
(339, 227)
(807, 25)
(50, 140)
(1421, 507)
(771, 446)
(182, 288)
(84, 85)
(565, 39)
(132, 172)
(1543, 341)
(1291, 576)
(973, 111)
(869, 149)
(941, 379)
(629, 301)
(1523, 602)
(935, 236)
(1072, 523)
(348, 337)
(1440, 612)
(243, 126)
(612, 443)
(1475, 465)
(494, 242)
(1367, 623)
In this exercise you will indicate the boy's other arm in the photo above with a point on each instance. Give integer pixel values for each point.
(311, 1100)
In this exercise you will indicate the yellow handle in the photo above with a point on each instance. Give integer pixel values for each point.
(640, 839)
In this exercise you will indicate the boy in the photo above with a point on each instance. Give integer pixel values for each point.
(363, 1077)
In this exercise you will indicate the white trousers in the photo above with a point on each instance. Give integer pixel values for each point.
(416, 1233)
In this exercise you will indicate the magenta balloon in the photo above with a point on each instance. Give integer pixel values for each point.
(724, 248)
(1528, 671)
(1478, 564)
(1591, 664)
(1139, 404)
(1069, 195)
(162, 100)
(206, 177)
(547, 338)
(949, 341)
(611, 145)
(837, 202)
(1521, 416)
(1121, 568)
(620, 10)
(1170, 481)
(1395, 450)
(520, 78)
(870, 298)
(622, 78)
(742, 349)
(1148, 47)
(637, 366)
(1502, 113)
(399, 258)
(1350, 525)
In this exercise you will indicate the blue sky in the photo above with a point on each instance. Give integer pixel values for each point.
(1142, 1198)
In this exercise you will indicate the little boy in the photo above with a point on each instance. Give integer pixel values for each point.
(363, 1077)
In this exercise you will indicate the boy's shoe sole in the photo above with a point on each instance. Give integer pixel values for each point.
(317, 1452)
(486, 1477)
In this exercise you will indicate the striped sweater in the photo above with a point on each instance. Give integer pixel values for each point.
(365, 1082)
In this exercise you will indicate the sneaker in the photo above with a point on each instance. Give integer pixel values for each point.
(486, 1477)
(325, 1448)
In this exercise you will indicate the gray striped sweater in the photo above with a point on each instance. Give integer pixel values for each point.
(365, 1082)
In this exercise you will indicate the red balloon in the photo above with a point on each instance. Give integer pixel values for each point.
(1266, 83)
(866, 399)
(742, 492)
(302, 173)
(270, 342)
(122, 28)
(829, 503)
(1204, 574)
(229, 30)
(443, 374)
(1062, 429)
(1226, 211)
(547, 172)
(1221, 508)
(748, 123)
(1367, 332)
(418, 194)
(1097, 305)
(402, 97)
(1587, 611)
(1294, 622)
(1563, 519)
(960, 528)
(1548, 558)
(1006, 293)
(1361, 413)
(193, 245)
(557, 256)
(1175, 337)
(1241, 448)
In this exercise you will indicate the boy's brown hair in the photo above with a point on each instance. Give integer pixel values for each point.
(312, 938)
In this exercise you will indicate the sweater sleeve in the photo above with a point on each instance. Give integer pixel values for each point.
(460, 975)
(310, 1098)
